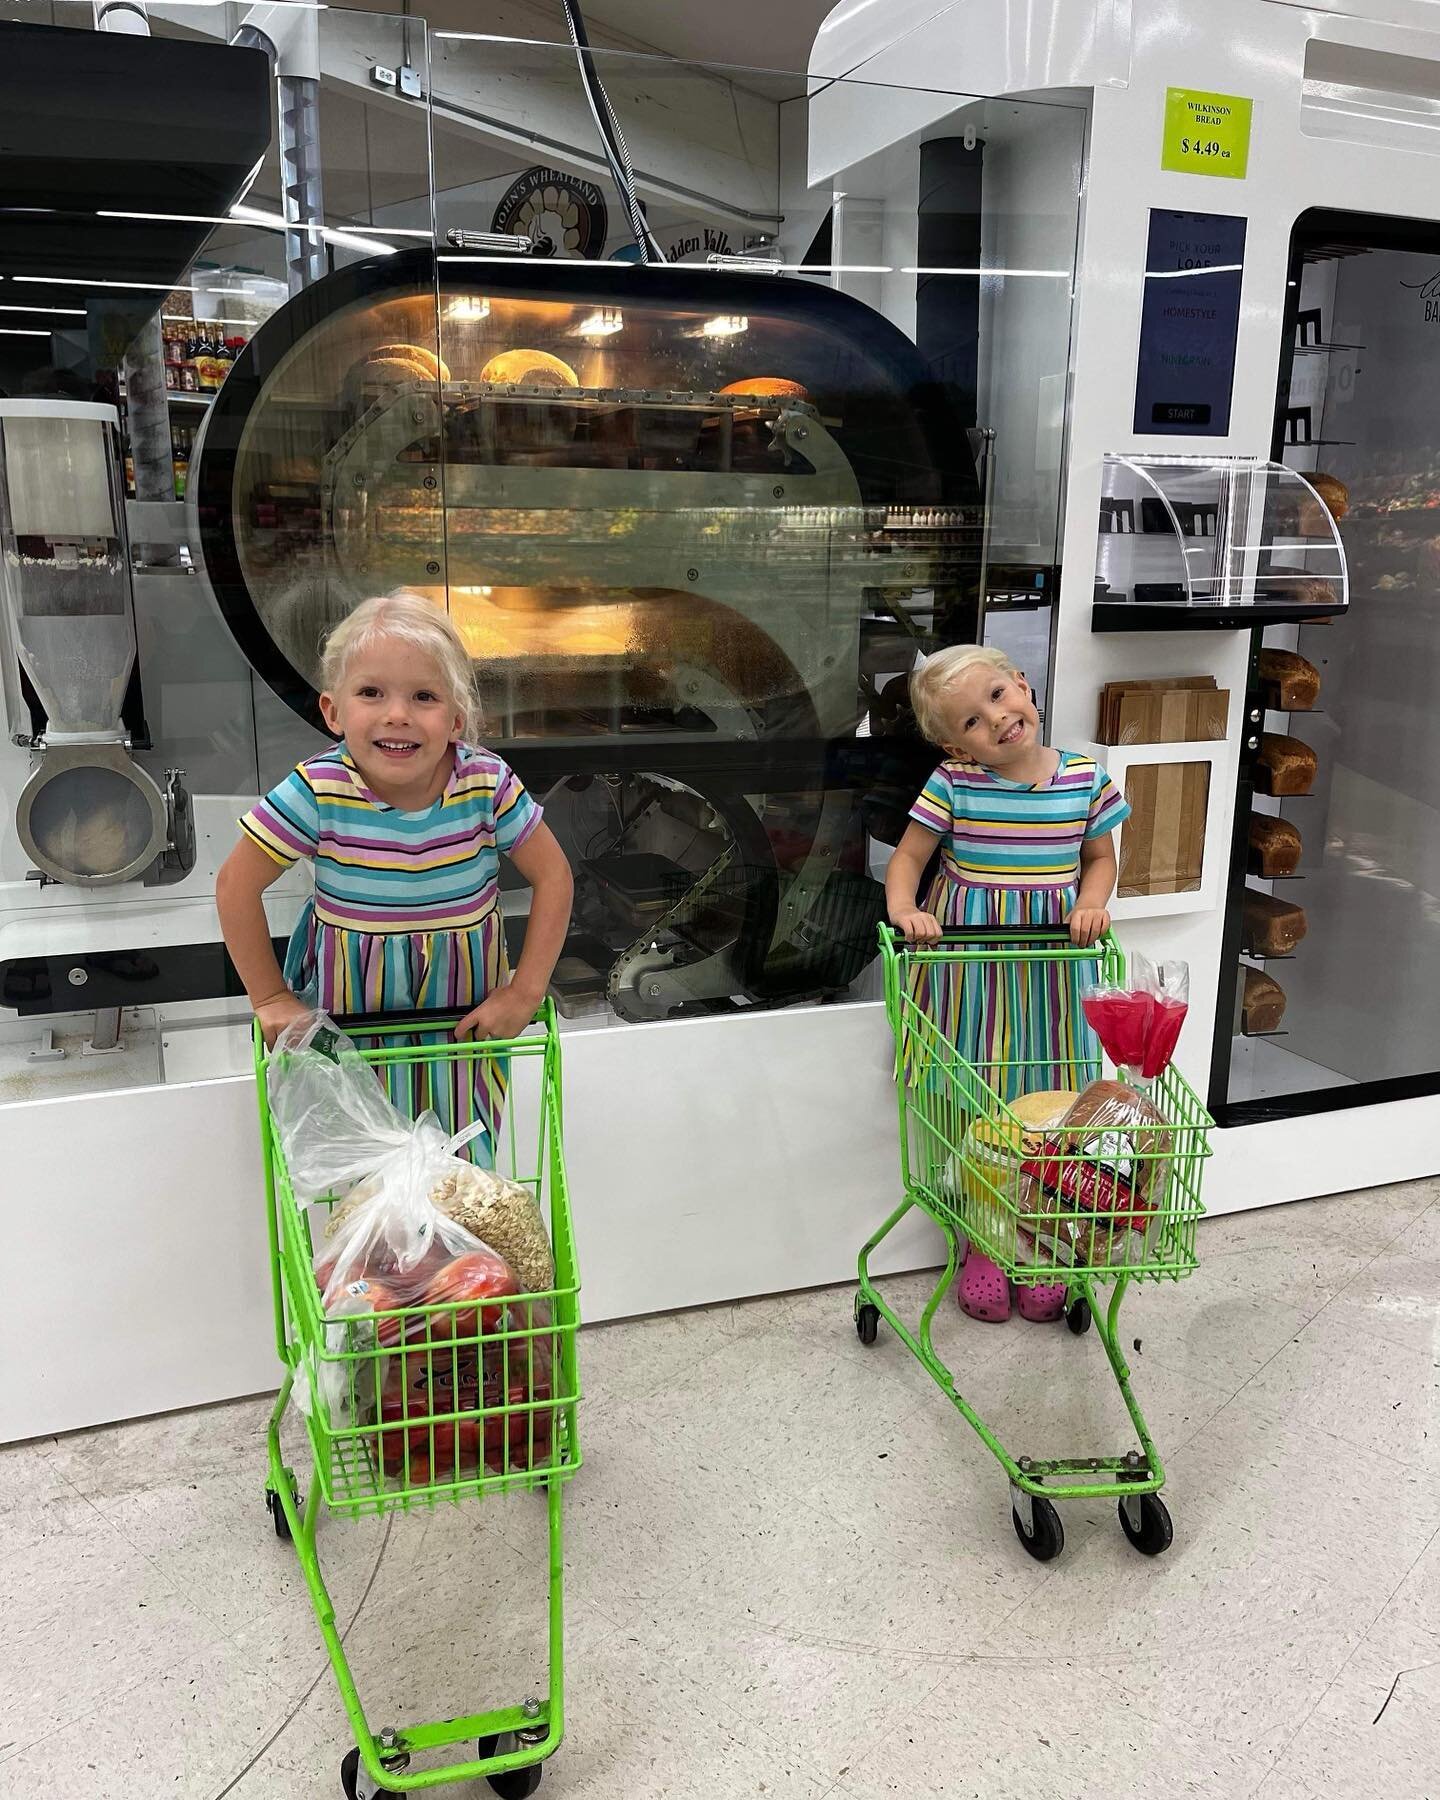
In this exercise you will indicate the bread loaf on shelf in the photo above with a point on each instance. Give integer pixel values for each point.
(1288, 682)
(1271, 927)
(1263, 1005)
(1336, 496)
(1275, 846)
(1285, 765)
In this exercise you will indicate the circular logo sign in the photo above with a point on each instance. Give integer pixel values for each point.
(554, 209)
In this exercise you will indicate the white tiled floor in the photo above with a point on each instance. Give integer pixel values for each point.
(792, 1571)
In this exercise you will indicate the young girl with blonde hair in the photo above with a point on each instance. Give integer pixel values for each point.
(1024, 833)
(405, 820)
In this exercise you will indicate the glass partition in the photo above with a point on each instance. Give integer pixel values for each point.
(1333, 916)
(697, 516)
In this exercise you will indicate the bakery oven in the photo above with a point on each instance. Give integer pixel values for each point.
(691, 523)
(1332, 944)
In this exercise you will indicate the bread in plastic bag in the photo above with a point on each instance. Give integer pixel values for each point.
(1102, 1177)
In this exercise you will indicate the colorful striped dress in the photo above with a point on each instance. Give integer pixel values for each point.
(406, 912)
(1010, 855)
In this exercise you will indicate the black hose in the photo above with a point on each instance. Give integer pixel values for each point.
(612, 138)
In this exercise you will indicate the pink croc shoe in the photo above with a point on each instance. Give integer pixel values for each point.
(984, 1293)
(1042, 1304)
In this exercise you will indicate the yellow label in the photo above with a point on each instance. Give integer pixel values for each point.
(1206, 134)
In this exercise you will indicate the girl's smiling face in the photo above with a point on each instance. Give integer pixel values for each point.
(397, 717)
(991, 717)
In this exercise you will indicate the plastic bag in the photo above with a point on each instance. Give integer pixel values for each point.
(416, 1445)
(395, 1248)
(504, 1214)
(1102, 1176)
(1138, 1025)
(1169, 985)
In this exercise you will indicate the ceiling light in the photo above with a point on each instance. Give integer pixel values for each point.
(145, 287)
(725, 325)
(1042, 274)
(605, 321)
(69, 312)
(469, 307)
(16, 331)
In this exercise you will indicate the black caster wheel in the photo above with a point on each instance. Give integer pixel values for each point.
(1078, 1317)
(867, 1322)
(277, 1511)
(356, 1782)
(515, 1784)
(1046, 1537)
(1152, 1533)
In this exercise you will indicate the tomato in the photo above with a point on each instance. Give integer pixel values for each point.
(480, 1275)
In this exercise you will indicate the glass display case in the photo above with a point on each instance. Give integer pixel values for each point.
(1194, 541)
(1332, 933)
(696, 517)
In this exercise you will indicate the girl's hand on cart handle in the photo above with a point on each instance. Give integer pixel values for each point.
(1088, 924)
(279, 1011)
(917, 927)
(503, 1014)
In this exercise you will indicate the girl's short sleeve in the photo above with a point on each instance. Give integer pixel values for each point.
(935, 806)
(1108, 806)
(286, 823)
(516, 814)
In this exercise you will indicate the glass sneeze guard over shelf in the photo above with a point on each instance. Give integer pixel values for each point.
(1194, 542)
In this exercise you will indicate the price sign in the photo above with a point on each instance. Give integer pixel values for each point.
(1206, 134)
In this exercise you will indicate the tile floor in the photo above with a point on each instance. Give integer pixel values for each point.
(792, 1568)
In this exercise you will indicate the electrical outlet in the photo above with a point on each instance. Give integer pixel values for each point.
(383, 77)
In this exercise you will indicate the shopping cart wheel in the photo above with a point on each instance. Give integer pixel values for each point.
(867, 1322)
(1078, 1317)
(277, 1511)
(515, 1784)
(1145, 1520)
(356, 1782)
(1045, 1538)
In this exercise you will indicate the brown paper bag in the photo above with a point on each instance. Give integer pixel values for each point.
(1162, 843)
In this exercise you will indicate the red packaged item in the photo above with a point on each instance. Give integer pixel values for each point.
(1121, 1021)
(425, 1385)
(1139, 1025)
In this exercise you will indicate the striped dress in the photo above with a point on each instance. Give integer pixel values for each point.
(406, 912)
(1010, 855)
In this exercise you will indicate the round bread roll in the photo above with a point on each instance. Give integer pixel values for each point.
(769, 387)
(429, 363)
(529, 368)
(1332, 491)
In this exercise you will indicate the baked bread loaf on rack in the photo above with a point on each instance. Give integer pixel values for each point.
(1263, 1005)
(1271, 927)
(1275, 846)
(1285, 765)
(1288, 681)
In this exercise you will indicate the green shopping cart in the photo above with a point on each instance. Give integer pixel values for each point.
(410, 1407)
(1046, 1205)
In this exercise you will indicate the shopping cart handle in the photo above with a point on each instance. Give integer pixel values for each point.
(419, 1019)
(422, 1019)
(998, 934)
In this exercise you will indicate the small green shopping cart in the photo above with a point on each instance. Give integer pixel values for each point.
(412, 1407)
(1089, 1205)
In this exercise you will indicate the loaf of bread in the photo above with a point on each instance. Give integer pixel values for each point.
(1288, 682)
(1284, 766)
(1336, 497)
(528, 368)
(1275, 846)
(1271, 927)
(1263, 1005)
